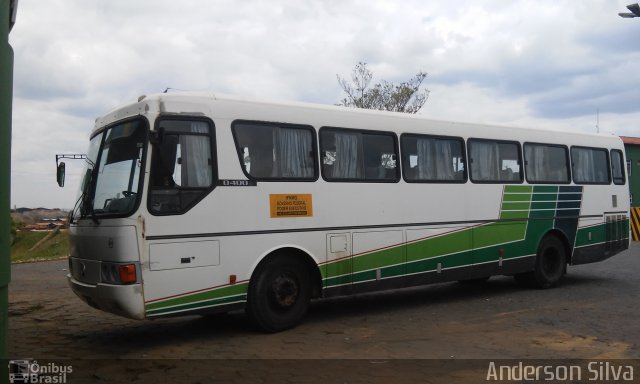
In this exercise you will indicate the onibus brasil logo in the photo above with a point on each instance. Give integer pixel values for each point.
(29, 371)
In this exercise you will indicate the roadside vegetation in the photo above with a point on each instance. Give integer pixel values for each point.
(24, 249)
(27, 245)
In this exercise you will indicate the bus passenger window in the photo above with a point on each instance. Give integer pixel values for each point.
(546, 163)
(590, 165)
(494, 161)
(343, 155)
(617, 166)
(353, 155)
(276, 152)
(433, 159)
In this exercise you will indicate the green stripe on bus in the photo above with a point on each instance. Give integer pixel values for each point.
(498, 233)
(516, 205)
(591, 235)
(544, 197)
(338, 280)
(379, 259)
(214, 294)
(547, 205)
(445, 244)
(197, 305)
(518, 188)
(545, 189)
(515, 197)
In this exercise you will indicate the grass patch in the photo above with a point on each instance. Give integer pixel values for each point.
(56, 247)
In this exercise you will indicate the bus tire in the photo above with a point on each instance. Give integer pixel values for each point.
(551, 263)
(279, 294)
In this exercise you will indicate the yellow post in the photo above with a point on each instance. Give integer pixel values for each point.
(635, 223)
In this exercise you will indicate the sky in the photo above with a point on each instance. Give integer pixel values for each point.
(553, 64)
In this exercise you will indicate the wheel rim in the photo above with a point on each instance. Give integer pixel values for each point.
(284, 291)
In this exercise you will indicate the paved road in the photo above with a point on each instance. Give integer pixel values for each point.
(593, 315)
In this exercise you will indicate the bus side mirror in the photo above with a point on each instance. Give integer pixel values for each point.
(60, 174)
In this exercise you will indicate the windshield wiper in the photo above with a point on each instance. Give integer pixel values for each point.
(86, 203)
(91, 211)
(73, 211)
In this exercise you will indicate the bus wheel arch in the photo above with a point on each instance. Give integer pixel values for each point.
(280, 289)
(551, 261)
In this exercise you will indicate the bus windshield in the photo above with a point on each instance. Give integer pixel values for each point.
(112, 177)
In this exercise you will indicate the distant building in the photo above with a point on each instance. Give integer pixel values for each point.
(632, 152)
(39, 227)
(45, 226)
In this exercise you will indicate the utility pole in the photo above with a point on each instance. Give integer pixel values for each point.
(8, 10)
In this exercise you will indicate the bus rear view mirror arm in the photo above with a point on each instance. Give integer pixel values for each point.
(61, 166)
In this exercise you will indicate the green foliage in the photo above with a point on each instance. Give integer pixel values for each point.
(14, 226)
(404, 97)
(55, 248)
(13, 232)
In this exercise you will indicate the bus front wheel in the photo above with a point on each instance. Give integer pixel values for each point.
(279, 294)
(550, 265)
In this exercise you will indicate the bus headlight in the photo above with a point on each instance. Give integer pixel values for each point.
(115, 273)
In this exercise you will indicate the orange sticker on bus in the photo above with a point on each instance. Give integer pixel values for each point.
(294, 205)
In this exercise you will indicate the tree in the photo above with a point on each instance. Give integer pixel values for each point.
(404, 97)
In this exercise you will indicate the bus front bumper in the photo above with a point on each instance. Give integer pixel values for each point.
(123, 300)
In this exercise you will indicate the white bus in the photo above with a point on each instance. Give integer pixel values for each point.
(197, 203)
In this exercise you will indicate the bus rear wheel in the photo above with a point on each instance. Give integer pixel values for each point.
(550, 265)
(279, 294)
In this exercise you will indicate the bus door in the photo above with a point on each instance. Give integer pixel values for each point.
(183, 173)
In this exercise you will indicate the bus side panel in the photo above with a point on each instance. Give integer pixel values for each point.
(437, 253)
(603, 229)
(217, 285)
(337, 272)
(378, 261)
(598, 240)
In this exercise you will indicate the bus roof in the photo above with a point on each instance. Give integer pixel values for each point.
(194, 103)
